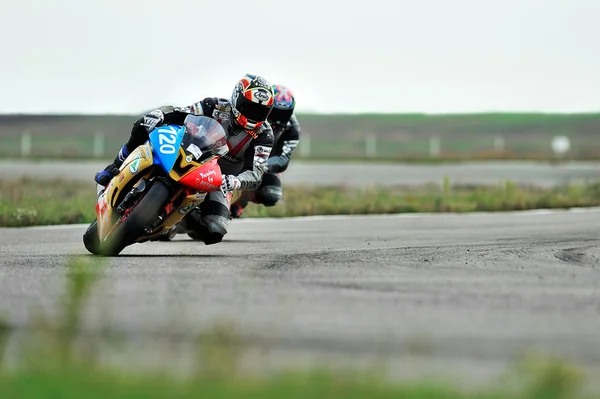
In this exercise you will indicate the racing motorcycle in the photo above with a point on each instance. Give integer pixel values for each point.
(158, 184)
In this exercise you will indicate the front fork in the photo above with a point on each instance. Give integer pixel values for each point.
(132, 196)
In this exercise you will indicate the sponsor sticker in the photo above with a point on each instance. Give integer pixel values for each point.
(231, 159)
(261, 95)
(133, 168)
(195, 150)
(207, 176)
(187, 208)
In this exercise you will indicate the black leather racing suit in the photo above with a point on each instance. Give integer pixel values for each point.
(287, 138)
(247, 154)
(246, 159)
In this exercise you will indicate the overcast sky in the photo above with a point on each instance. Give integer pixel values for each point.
(125, 56)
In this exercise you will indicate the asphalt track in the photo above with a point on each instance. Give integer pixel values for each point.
(452, 295)
(361, 174)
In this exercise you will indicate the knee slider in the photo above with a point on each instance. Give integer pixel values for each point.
(216, 224)
(212, 238)
(216, 228)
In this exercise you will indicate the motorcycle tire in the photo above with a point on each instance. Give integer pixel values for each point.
(142, 214)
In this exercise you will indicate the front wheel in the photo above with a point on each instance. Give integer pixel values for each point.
(142, 214)
(91, 239)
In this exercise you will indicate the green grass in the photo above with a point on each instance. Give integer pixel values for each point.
(61, 361)
(77, 383)
(31, 202)
(300, 201)
(400, 136)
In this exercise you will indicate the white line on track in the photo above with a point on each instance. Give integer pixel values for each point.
(534, 212)
(53, 227)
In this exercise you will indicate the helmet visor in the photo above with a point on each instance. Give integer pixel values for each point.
(280, 116)
(252, 111)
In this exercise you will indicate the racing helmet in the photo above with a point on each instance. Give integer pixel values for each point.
(283, 106)
(252, 101)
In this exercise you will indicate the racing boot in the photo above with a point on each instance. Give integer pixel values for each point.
(237, 208)
(105, 176)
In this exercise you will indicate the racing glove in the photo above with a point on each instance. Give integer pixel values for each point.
(152, 119)
(230, 183)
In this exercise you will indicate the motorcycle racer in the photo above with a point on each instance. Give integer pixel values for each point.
(249, 138)
(286, 130)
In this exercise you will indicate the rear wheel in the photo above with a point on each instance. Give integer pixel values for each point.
(192, 225)
(169, 235)
(142, 214)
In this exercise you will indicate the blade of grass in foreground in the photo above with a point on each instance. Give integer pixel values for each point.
(56, 365)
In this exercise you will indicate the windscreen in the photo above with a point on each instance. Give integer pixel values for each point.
(203, 137)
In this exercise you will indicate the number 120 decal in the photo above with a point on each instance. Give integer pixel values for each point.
(167, 137)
